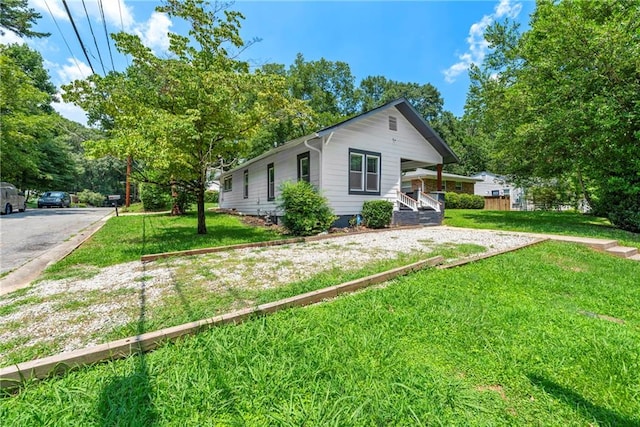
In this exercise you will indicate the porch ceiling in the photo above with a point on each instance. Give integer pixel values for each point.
(407, 165)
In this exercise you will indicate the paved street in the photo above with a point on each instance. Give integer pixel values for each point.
(27, 235)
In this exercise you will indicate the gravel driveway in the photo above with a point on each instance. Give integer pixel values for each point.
(68, 314)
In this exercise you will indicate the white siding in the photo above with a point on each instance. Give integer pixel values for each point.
(286, 169)
(372, 134)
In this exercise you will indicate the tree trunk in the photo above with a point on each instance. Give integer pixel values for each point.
(202, 224)
(585, 192)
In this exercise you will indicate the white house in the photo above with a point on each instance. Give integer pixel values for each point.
(426, 180)
(492, 185)
(359, 159)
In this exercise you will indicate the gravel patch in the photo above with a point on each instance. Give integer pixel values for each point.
(69, 314)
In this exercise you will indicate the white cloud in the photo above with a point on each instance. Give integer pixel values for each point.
(478, 46)
(118, 14)
(54, 8)
(74, 69)
(153, 33)
(70, 111)
(9, 37)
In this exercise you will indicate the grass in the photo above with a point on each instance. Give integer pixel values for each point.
(503, 341)
(566, 223)
(126, 238)
(191, 300)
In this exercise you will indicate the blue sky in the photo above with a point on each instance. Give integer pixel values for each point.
(411, 41)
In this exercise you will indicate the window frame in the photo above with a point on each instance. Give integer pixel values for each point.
(306, 155)
(245, 184)
(364, 171)
(227, 179)
(459, 186)
(271, 182)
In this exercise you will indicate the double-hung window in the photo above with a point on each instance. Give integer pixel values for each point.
(271, 182)
(304, 171)
(245, 191)
(364, 172)
(227, 183)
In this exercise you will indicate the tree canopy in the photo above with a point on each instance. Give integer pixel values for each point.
(17, 16)
(179, 115)
(562, 98)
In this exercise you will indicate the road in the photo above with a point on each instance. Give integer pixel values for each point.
(27, 235)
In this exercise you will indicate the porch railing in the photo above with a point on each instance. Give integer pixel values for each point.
(407, 201)
(425, 200)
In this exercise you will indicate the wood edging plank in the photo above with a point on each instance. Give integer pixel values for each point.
(469, 260)
(13, 376)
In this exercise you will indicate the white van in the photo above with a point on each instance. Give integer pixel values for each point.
(11, 199)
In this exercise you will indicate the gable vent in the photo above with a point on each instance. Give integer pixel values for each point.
(393, 123)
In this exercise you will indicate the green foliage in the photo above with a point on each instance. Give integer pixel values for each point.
(211, 196)
(180, 113)
(565, 97)
(377, 213)
(463, 201)
(185, 200)
(306, 212)
(620, 199)
(155, 197)
(17, 16)
(91, 198)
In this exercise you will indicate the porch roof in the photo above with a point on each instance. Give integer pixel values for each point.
(430, 174)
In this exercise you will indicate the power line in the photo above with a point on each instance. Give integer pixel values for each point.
(75, 29)
(122, 25)
(106, 33)
(95, 42)
(63, 38)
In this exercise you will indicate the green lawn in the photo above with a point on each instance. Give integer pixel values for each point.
(518, 339)
(127, 237)
(568, 223)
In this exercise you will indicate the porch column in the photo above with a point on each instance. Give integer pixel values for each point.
(439, 177)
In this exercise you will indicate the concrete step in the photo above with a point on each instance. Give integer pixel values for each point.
(622, 251)
(635, 257)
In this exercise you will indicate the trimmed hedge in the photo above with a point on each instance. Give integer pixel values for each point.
(463, 201)
(377, 213)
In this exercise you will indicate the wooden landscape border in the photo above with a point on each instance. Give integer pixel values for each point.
(13, 376)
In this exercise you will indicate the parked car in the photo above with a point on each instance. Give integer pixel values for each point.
(11, 199)
(59, 199)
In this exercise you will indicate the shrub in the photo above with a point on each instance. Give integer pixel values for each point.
(186, 199)
(377, 213)
(306, 212)
(155, 197)
(451, 200)
(620, 198)
(463, 201)
(211, 196)
(90, 198)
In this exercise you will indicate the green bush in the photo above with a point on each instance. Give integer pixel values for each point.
(186, 199)
(451, 200)
(211, 196)
(620, 199)
(91, 198)
(155, 197)
(463, 201)
(377, 213)
(306, 212)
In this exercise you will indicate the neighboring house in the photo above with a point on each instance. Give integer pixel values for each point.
(426, 180)
(492, 185)
(359, 159)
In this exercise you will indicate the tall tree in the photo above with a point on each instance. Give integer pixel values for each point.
(179, 115)
(17, 16)
(377, 90)
(563, 99)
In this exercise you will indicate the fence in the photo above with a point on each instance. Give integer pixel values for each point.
(497, 203)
